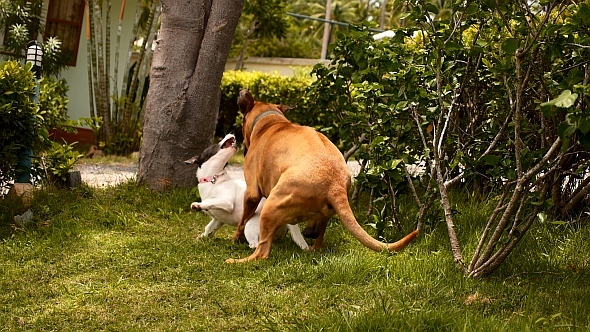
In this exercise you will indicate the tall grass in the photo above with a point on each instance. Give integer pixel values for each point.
(126, 259)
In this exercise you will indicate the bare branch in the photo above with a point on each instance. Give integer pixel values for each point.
(454, 180)
(352, 150)
(499, 207)
(411, 184)
(537, 168)
(578, 195)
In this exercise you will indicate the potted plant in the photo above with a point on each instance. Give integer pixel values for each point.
(58, 164)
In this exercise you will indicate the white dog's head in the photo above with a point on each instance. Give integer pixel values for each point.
(219, 153)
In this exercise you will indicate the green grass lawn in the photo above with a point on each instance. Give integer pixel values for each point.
(126, 259)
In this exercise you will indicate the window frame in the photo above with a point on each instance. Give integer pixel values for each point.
(48, 20)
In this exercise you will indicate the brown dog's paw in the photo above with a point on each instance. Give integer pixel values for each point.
(196, 206)
(239, 237)
(315, 248)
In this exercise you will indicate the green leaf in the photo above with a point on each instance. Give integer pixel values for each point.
(565, 129)
(431, 8)
(392, 164)
(510, 45)
(559, 222)
(547, 109)
(584, 125)
(475, 50)
(405, 15)
(584, 14)
(452, 46)
(471, 9)
(400, 105)
(564, 100)
(491, 159)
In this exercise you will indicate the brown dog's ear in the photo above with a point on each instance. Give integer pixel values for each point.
(285, 108)
(245, 101)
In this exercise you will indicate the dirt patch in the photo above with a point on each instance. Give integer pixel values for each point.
(106, 175)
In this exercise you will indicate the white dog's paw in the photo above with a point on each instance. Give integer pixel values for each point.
(196, 206)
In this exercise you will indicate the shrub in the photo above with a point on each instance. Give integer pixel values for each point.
(18, 115)
(25, 125)
(53, 103)
(55, 162)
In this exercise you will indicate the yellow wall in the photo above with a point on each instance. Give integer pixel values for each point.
(283, 66)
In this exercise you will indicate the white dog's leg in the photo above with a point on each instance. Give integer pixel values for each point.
(252, 230)
(212, 227)
(297, 237)
(220, 203)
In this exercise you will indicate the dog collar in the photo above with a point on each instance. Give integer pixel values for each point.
(263, 114)
(211, 179)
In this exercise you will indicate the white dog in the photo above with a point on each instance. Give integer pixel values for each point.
(223, 196)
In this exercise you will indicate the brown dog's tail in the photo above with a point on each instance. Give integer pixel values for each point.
(342, 208)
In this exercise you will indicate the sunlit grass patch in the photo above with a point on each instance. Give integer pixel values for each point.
(128, 258)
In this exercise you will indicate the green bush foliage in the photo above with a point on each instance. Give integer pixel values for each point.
(26, 125)
(53, 160)
(18, 117)
(486, 101)
(269, 87)
(56, 162)
(53, 102)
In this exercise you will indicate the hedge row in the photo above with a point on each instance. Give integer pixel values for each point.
(18, 116)
(25, 124)
(269, 87)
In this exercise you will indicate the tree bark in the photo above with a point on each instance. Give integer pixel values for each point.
(183, 98)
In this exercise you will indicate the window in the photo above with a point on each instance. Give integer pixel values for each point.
(64, 21)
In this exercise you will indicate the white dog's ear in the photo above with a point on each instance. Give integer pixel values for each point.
(192, 160)
(203, 157)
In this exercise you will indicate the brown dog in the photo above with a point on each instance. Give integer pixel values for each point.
(301, 173)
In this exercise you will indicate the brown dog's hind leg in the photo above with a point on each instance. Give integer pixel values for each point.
(321, 228)
(267, 234)
(273, 216)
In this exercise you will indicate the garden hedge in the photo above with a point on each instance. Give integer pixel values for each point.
(269, 87)
(25, 125)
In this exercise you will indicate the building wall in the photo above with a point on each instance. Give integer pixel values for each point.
(77, 77)
(283, 66)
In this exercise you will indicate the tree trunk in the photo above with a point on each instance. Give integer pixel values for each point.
(103, 75)
(183, 98)
(116, 66)
(327, 28)
(240, 61)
